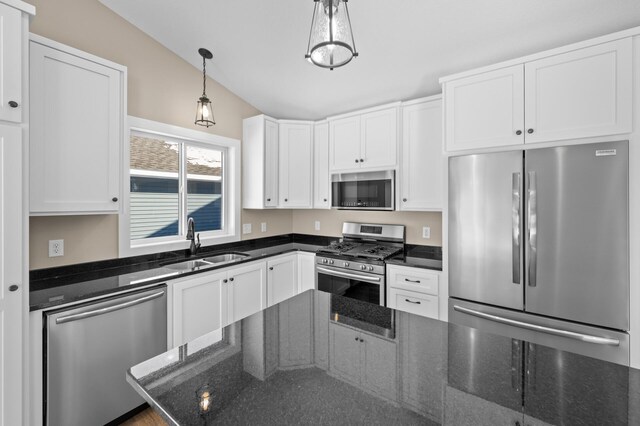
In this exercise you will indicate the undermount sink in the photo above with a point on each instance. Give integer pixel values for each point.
(207, 262)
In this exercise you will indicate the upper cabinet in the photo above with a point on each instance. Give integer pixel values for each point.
(260, 162)
(321, 185)
(367, 141)
(11, 66)
(422, 166)
(77, 117)
(296, 164)
(580, 93)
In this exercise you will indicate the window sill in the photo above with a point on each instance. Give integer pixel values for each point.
(159, 247)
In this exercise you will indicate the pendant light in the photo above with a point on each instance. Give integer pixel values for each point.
(331, 42)
(204, 112)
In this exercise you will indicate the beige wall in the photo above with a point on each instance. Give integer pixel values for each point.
(161, 87)
(331, 223)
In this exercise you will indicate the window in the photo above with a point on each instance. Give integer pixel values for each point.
(174, 174)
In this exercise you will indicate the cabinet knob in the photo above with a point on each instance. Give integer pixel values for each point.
(325, 200)
(518, 132)
(231, 279)
(530, 131)
(225, 280)
(271, 268)
(13, 104)
(268, 199)
(404, 200)
(114, 199)
(356, 339)
(356, 160)
(361, 340)
(13, 287)
(361, 160)
(286, 199)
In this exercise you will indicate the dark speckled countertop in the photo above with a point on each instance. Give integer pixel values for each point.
(322, 359)
(62, 285)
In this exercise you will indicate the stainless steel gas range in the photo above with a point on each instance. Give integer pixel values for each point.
(355, 267)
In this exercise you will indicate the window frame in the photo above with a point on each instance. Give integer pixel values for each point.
(231, 175)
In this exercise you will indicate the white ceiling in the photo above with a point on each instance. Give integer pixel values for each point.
(404, 45)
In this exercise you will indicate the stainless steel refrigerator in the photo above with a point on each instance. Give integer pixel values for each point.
(539, 246)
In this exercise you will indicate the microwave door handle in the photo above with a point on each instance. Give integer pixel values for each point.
(348, 275)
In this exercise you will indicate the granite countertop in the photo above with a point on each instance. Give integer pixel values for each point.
(425, 257)
(318, 358)
(58, 286)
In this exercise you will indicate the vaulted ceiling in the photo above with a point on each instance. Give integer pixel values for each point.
(404, 45)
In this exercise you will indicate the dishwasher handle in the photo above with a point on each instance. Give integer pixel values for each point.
(102, 311)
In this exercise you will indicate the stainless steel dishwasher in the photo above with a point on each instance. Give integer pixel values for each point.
(89, 349)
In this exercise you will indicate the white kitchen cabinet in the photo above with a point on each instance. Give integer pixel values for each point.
(583, 93)
(282, 274)
(306, 271)
(77, 120)
(413, 290)
(260, 162)
(580, 93)
(321, 179)
(295, 165)
(365, 141)
(363, 359)
(199, 306)
(422, 166)
(485, 110)
(11, 44)
(247, 290)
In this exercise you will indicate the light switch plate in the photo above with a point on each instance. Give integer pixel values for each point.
(426, 232)
(56, 248)
(317, 225)
(263, 227)
(246, 228)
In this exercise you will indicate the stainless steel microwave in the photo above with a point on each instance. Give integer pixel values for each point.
(363, 191)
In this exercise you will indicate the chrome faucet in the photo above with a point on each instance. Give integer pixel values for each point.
(191, 235)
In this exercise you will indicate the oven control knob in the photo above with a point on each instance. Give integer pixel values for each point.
(325, 261)
(363, 267)
(346, 264)
(371, 268)
(331, 262)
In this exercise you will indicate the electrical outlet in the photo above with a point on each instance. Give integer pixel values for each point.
(246, 228)
(317, 225)
(426, 232)
(56, 248)
(263, 227)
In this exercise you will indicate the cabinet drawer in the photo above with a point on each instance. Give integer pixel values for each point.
(413, 280)
(414, 303)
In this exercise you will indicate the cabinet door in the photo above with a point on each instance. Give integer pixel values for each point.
(11, 273)
(11, 67)
(321, 185)
(379, 366)
(247, 291)
(296, 166)
(485, 110)
(379, 139)
(421, 176)
(584, 93)
(306, 271)
(281, 279)
(271, 163)
(76, 130)
(344, 353)
(344, 144)
(199, 307)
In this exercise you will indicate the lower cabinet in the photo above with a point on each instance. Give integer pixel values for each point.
(306, 271)
(413, 290)
(363, 359)
(282, 274)
(199, 306)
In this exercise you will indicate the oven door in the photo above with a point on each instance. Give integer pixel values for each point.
(355, 285)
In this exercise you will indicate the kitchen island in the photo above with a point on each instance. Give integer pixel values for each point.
(319, 358)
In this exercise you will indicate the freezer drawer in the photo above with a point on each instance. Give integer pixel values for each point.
(89, 349)
(605, 344)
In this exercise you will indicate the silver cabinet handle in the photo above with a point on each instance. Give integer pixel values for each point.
(515, 228)
(532, 225)
(411, 301)
(412, 281)
(348, 275)
(549, 330)
(108, 309)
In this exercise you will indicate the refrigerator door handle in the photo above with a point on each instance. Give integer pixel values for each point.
(532, 226)
(515, 227)
(588, 338)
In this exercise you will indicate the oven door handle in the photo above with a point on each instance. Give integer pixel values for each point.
(348, 275)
